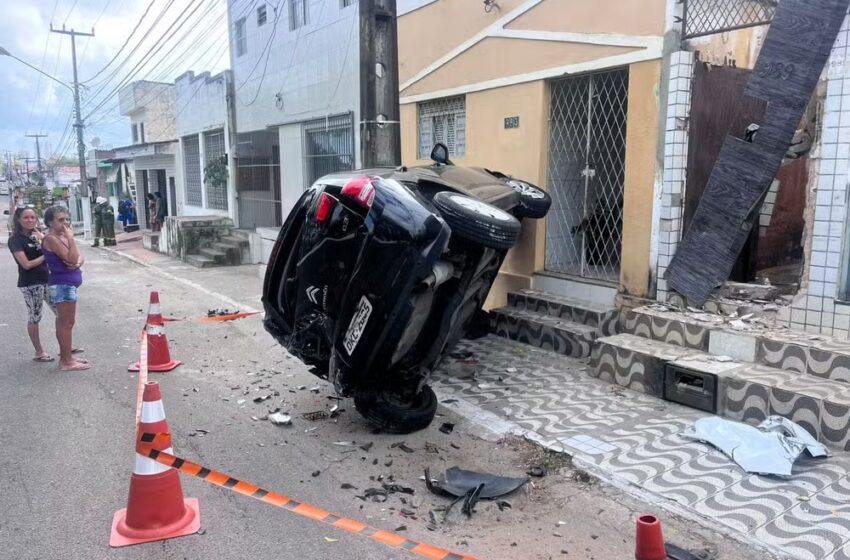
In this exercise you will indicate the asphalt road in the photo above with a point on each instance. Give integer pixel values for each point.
(67, 441)
(68, 437)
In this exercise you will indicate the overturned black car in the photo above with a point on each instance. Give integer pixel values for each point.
(377, 273)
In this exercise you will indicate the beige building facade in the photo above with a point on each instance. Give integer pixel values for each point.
(556, 93)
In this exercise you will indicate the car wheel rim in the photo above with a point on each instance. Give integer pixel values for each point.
(482, 208)
(524, 189)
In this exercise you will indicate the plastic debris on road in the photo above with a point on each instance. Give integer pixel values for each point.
(768, 449)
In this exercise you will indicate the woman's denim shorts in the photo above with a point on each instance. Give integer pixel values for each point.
(62, 293)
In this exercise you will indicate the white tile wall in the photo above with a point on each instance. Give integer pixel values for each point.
(822, 313)
(675, 161)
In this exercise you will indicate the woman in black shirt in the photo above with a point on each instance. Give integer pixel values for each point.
(25, 245)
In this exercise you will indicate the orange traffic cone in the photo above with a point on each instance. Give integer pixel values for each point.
(649, 542)
(156, 509)
(159, 358)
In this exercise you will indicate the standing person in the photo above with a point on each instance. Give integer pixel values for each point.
(104, 223)
(152, 211)
(161, 211)
(25, 245)
(64, 261)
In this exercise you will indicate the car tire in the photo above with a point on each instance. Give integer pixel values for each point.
(534, 202)
(478, 221)
(394, 416)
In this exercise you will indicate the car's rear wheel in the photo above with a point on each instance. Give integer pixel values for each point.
(533, 202)
(478, 221)
(394, 413)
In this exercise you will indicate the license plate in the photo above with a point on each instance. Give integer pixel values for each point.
(357, 325)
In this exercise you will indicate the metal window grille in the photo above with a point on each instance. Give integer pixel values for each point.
(241, 37)
(192, 170)
(706, 17)
(257, 166)
(443, 120)
(587, 149)
(214, 151)
(297, 13)
(261, 15)
(347, 3)
(328, 146)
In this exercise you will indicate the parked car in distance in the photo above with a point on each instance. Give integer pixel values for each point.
(376, 274)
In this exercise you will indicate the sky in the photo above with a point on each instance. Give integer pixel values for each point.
(171, 37)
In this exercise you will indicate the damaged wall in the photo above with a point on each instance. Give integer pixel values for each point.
(784, 77)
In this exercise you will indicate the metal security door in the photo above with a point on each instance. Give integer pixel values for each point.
(587, 153)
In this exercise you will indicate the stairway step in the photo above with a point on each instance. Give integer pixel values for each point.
(199, 261)
(745, 392)
(550, 333)
(664, 325)
(235, 239)
(576, 311)
(220, 257)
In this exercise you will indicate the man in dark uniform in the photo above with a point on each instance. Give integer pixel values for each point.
(104, 223)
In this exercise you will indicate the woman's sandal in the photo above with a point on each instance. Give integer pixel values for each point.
(77, 351)
(44, 358)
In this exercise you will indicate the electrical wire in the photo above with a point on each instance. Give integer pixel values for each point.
(267, 52)
(155, 49)
(129, 37)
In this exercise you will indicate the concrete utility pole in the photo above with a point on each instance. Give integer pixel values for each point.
(81, 146)
(38, 153)
(380, 131)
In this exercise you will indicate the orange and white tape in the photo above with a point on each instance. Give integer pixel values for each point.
(145, 446)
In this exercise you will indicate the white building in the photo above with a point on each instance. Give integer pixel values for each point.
(204, 132)
(296, 72)
(151, 107)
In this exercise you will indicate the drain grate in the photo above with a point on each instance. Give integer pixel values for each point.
(696, 389)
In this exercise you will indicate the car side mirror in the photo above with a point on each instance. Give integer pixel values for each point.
(440, 154)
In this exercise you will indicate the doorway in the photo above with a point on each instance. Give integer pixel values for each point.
(587, 153)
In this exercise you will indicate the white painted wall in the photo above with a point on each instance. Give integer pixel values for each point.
(151, 103)
(292, 174)
(312, 71)
(202, 106)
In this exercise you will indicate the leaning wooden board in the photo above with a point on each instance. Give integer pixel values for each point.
(788, 68)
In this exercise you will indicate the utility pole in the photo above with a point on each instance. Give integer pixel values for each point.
(380, 130)
(38, 153)
(81, 146)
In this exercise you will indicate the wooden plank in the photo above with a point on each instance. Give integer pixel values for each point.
(790, 63)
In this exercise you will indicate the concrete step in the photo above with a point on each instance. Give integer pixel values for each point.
(760, 341)
(241, 233)
(657, 322)
(220, 257)
(576, 311)
(200, 261)
(232, 252)
(235, 240)
(544, 331)
(743, 391)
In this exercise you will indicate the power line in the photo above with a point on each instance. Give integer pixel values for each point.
(129, 37)
(177, 60)
(74, 5)
(148, 56)
(267, 52)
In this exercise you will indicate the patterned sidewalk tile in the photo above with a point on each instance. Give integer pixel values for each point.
(637, 438)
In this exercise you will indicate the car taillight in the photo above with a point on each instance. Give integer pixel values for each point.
(323, 209)
(360, 190)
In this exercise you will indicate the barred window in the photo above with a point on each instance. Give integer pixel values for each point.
(443, 120)
(297, 13)
(214, 151)
(261, 15)
(240, 37)
(347, 3)
(192, 170)
(328, 146)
